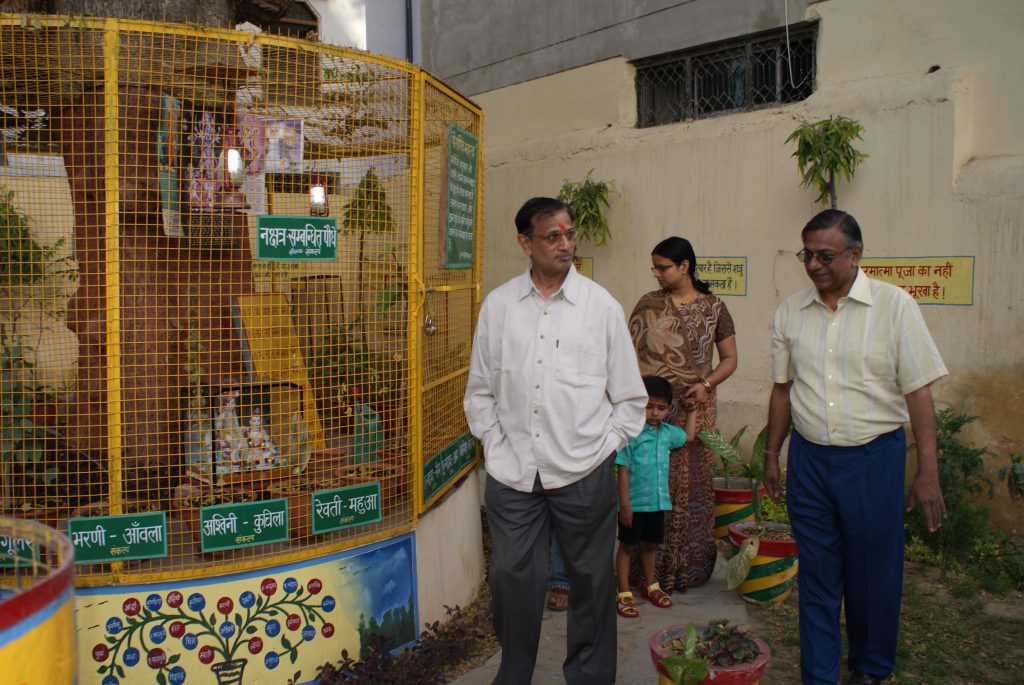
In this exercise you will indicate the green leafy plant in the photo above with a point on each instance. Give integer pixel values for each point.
(26, 475)
(824, 151)
(718, 644)
(1013, 476)
(728, 452)
(739, 565)
(349, 373)
(589, 201)
(439, 649)
(367, 212)
(964, 540)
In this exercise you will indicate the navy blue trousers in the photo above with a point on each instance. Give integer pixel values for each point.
(846, 507)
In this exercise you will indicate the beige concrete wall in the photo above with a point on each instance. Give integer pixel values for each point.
(449, 552)
(945, 177)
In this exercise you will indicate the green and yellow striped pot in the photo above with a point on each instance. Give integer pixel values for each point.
(773, 570)
(733, 504)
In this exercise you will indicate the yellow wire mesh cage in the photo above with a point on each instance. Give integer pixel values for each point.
(237, 290)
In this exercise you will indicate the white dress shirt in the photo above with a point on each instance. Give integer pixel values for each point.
(851, 368)
(554, 387)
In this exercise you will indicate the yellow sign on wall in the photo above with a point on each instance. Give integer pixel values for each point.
(929, 280)
(725, 275)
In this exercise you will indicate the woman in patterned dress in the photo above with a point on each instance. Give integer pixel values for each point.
(675, 331)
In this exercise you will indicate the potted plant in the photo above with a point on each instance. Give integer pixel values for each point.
(588, 200)
(765, 564)
(31, 485)
(704, 654)
(734, 498)
(824, 149)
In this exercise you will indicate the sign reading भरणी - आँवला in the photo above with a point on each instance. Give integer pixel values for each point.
(119, 537)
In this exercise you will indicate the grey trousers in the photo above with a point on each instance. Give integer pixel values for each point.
(583, 517)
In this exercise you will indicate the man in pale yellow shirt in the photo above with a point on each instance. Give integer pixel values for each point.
(852, 361)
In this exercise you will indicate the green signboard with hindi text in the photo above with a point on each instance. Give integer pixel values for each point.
(346, 507)
(17, 551)
(460, 199)
(296, 238)
(116, 538)
(227, 526)
(447, 463)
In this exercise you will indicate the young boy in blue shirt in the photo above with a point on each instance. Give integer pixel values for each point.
(643, 494)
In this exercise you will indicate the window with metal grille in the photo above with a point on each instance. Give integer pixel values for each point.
(736, 76)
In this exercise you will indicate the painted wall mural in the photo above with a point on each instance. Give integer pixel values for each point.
(259, 627)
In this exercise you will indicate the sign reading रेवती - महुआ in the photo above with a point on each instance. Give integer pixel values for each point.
(296, 238)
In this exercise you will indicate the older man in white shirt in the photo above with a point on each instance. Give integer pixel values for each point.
(554, 391)
(852, 361)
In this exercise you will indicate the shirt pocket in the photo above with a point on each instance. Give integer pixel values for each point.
(580, 363)
(880, 361)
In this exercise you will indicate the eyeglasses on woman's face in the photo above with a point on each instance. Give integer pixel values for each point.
(661, 268)
(824, 257)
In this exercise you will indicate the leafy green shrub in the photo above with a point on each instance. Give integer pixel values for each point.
(589, 200)
(430, 661)
(964, 541)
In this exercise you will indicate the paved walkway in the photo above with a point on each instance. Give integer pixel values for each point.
(710, 601)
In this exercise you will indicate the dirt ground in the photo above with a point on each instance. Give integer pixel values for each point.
(952, 633)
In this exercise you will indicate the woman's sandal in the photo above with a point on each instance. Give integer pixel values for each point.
(656, 596)
(624, 605)
(558, 599)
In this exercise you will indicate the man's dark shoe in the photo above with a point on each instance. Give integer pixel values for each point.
(862, 678)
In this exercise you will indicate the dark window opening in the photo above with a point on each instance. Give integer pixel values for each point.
(735, 76)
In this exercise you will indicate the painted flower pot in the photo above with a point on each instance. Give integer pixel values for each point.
(741, 674)
(773, 570)
(229, 672)
(734, 503)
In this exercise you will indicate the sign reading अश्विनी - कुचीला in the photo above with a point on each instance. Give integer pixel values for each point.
(296, 238)
(724, 275)
(929, 280)
(443, 466)
(460, 198)
(346, 507)
(119, 537)
(226, 526)
(17, 551)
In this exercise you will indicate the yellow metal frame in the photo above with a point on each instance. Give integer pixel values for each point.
(416, 293)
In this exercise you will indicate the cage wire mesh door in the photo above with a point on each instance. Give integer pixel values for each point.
(220, 251)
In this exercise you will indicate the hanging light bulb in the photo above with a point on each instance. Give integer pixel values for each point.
(235, 167)
(317, 196)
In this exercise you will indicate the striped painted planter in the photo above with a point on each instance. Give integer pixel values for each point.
(734, 504)
(773, 571)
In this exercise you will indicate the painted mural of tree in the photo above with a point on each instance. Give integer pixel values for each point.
(263, 622)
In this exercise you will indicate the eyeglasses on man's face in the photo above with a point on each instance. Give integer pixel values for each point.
(554, 237)
(824, 257)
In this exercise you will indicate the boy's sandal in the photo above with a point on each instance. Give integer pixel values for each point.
(558, 599)
(656, 596)
(624, 605)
